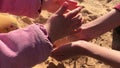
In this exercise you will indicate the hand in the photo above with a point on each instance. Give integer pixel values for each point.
(57, 3)
(60, 25)
(70, 49)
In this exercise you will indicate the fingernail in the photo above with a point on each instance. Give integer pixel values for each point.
(79, 8)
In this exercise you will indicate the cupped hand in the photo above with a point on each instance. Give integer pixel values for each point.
(70, 50)
(60, 25)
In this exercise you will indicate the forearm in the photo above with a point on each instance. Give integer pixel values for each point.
(101, 25)
(108, 56)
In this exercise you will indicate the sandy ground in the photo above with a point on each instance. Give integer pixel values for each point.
(92, 10)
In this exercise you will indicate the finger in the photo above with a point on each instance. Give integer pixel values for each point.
(76, 17)
(62, 9)
(76, 20)
(73, 13)
(76, 25)
(78, 30)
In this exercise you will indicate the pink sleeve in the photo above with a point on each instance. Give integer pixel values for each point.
(117, 7)
(21, 7)
(25, 47)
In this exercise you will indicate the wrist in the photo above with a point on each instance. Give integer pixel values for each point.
(82, 46)
(88, 32)
(91, 31)
(82, 35)
(51, 34)
(53, 38)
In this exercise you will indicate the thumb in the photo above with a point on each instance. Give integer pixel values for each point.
(62, 9)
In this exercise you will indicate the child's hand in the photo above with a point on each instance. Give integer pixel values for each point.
(69, 50)
(60, 25)
(53, 5)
